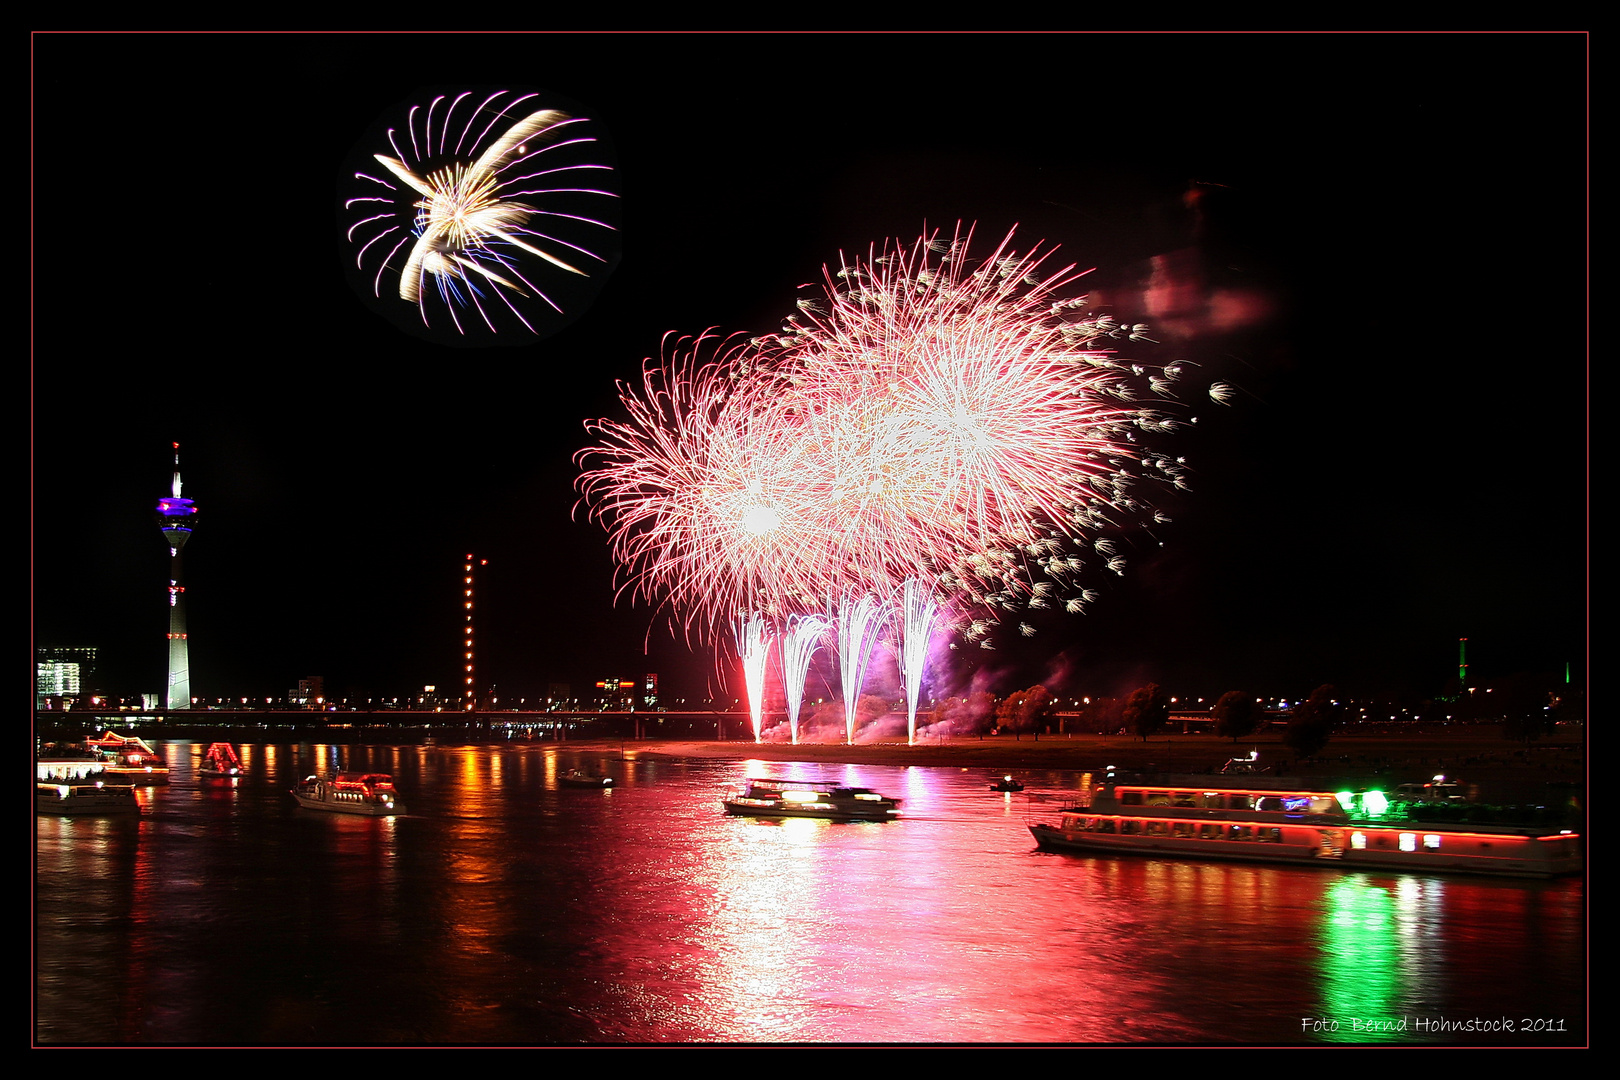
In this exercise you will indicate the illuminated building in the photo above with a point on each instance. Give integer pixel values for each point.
(63, 674)
(616, 695)
(174, 518)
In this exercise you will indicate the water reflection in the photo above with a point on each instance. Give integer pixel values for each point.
(507, 909)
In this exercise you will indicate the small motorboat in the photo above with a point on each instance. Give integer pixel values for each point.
(576, 778)
(221, 763)
(806, 799)
(1006, 783)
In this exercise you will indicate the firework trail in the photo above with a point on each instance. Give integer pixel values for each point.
(916, 621)
(799, 646)
(753, 635)
(480, 193)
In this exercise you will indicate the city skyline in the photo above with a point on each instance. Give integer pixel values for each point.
(1362, 262)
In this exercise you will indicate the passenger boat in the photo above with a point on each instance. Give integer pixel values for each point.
(576, 778)
(221, 762)
(806, 799)
(131, 760)
(1291, 822)
(371, 794)
(68, 763)
(63, 800)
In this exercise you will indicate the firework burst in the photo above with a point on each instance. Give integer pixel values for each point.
(946, 431)
(484, 201)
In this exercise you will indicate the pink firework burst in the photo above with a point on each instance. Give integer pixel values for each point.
(926, 418)
(701, 489)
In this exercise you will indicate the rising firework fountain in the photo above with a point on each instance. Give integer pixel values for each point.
(860, 619)
(754, 647)
(918, 610)
(799, 645)
(174, 518)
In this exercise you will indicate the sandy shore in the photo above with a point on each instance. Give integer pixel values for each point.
(1502, 771)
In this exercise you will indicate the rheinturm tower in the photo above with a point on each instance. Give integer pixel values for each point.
(174, 518)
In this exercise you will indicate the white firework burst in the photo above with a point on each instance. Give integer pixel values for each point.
(481, 201)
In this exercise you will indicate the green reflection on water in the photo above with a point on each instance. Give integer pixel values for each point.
(1360, 966)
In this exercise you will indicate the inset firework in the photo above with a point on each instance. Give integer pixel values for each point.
(483, 217)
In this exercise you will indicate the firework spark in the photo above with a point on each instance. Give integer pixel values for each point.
(476, 196)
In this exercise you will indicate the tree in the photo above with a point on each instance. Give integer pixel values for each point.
(1236, 715)
(1313, 722)
(1026, 710)
(1147, 710)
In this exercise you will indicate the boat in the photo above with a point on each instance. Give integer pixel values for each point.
(1293, 821)
(1006, 783)
(72, 763)
(65, 800)
(808, 799)
(576, 778)
(220, 762)
(370, 794)
(131, 760)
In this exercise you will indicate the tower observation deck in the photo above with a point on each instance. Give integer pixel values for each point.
(174, 518)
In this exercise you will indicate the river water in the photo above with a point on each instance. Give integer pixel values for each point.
(505, 910)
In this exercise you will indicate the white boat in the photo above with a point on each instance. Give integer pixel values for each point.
(577, 778)
(131, 760)
(370, 794)
(1293, 822)
(808, 799)
(63, 800)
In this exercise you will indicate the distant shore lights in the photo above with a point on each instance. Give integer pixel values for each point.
(469, 585)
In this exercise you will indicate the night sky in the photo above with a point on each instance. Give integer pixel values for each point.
(1380, 240)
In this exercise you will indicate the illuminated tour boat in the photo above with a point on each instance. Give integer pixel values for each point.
(131, 760)
(221, 762)
(371, 794)
(1285, 821)
(806, 799)
(89, 799)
